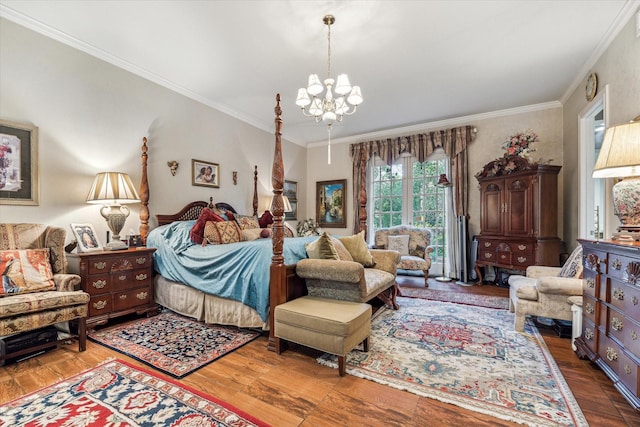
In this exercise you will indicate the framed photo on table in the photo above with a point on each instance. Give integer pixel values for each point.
(205, 174)
(19, 180)
(86, 237)
(331, 205)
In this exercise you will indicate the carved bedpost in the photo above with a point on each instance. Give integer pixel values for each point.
(144, 195)
(255, 190)
(278, 271)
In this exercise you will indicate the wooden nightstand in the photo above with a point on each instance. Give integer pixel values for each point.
(119, 282)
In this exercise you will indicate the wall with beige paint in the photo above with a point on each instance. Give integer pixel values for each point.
(92, 116)
(619, 68)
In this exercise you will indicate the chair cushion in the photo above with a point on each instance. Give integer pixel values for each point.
(25, 271)
(399, 243)
(409, 262)
(30, 303)
(358, 249)
(573, 266)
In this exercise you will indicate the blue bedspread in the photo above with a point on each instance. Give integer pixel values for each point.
(238, 271)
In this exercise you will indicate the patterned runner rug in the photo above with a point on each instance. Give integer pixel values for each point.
(489, 301)
(119, 394)
(172, 343)
(467, 356)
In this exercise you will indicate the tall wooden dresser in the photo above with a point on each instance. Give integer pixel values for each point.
(518, 215)
(611, 313)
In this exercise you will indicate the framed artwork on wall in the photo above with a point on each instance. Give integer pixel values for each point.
(290, 190)
(205, 174)
(331, 207)
(19, 181)
(86, 237)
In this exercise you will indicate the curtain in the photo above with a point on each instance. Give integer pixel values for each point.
(453, 141)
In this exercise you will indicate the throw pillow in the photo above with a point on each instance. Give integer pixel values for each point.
(343, 253)
(247, 222)
(25, 271)
(220, 233)
(251, 234)
(573, 266)
(358, 249)
(322, 248)
(197, 231)
(399, 243)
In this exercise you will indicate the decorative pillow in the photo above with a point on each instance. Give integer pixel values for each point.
(247, 222)
(265, 233)
(358, 249)
(197, 231)
(25, 271)
(220, 233)
(399, 243)
(322, 248)
(251, 234)
(573, 266)
(343, 253)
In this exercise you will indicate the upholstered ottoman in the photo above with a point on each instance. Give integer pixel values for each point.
(332, 326)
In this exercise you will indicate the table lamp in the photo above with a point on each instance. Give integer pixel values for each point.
(112, 190)
(620, 158)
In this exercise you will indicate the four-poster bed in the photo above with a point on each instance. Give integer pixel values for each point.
(283, 284)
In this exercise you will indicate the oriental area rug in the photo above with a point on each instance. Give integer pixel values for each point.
(467, 356)
(116, 393)
(173, 344)
(489, 301)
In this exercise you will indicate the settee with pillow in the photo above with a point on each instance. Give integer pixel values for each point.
(36, 290)
(545, 291)
(346, 269)
(413, 244)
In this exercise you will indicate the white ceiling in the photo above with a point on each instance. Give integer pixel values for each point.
(416, 61)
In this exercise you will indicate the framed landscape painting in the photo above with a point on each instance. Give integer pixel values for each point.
(290, 190)
(19, 183)
(331, 205)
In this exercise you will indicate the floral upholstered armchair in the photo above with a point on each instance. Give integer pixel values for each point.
(413, 244)
(545, 291)
(36, 290)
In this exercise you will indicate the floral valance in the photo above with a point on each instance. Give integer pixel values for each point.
(453, 141)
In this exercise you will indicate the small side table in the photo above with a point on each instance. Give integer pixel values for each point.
(576, 309)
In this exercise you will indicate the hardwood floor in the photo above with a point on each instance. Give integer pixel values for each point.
(293, 390)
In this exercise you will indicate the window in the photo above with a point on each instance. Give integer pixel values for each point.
(406, 193)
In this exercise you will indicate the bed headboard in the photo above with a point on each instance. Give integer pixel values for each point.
(192, 211)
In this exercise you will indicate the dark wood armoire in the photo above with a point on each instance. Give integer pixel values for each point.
(518, 215)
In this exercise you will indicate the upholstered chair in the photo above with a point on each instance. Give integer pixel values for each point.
(28, 301)
(545, 291)
(413, 244)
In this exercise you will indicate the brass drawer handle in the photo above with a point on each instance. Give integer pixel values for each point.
(634, 335)
(588, 334)
(141, 260)
(99, 305)
(141, 276)
(611, 354)
(142, 295)
(123, 296)
(616, 264)
(101, 265)
(487, 255)
(634, 300)
(522, 247)
(99, 284)
(522, 259)
(627, 369)
(589, 308)
(591, 283)
(122, 278)
(618, 294)
(503, 257)
(616, 324)
(487, 244)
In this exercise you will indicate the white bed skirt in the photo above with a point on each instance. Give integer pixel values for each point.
(191, 302)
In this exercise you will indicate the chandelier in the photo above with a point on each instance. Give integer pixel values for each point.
(329, 108)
